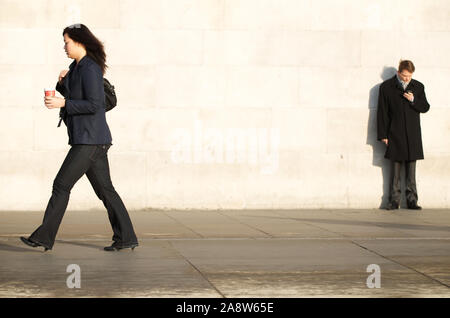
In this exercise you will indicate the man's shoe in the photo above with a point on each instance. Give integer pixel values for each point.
(392, 206)
(31, 243)
(413, 206)
(119, 246)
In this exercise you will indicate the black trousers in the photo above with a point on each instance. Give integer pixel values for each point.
(410, 176)
(91, 160)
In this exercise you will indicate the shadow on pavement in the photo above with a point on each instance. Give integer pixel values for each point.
(11, 248)
(365, 223)
(97, 247)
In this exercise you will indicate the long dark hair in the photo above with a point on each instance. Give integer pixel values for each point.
(94, 47)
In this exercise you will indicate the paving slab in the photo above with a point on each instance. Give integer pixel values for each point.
(214, 224)
(277, 226)
(373, 223)
(430, 257)
(152, 270)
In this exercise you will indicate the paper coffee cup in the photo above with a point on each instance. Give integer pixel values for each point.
(49, 91)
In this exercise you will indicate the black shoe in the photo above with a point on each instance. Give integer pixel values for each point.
(31, 243)
(392, 206)
(413, 206)
(119, 246)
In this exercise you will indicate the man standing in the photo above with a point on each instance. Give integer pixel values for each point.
(400, 102)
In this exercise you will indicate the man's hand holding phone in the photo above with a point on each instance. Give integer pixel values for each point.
(409, 95)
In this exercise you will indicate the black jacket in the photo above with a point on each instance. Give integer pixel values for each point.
(84, 112)
(398, 119)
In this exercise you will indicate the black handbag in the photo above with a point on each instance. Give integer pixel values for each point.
(110, 95)
(110, 99)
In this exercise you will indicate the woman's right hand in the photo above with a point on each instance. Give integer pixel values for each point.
(62, 74)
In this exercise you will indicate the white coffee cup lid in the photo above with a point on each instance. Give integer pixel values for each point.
(49, 89)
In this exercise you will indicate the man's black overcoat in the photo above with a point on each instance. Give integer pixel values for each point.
(398, 119)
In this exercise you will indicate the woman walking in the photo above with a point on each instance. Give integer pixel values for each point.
(83, 111)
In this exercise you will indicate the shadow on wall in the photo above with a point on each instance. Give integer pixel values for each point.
(378, 147)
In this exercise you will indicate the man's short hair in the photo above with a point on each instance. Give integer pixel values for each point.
(406, 65)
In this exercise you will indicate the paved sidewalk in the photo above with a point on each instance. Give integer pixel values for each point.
(249, 253)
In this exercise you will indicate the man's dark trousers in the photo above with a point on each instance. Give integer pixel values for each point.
(91, 160)
(410, 177)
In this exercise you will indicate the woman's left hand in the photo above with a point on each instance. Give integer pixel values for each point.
(54, 102)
